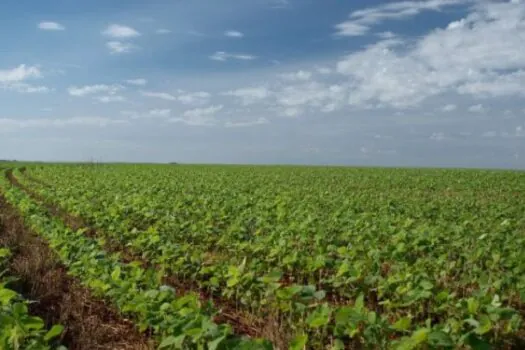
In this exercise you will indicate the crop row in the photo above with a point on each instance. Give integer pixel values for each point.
(248, 237)
(18, 328)
(175, 321)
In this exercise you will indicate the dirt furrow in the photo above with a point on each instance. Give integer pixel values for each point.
(242, 322)
(60, 299)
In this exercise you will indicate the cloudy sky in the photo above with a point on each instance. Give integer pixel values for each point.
(408, 83)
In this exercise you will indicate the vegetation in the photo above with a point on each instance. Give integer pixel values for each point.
(19, 329)
(202, 256)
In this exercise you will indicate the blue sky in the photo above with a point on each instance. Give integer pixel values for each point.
(408, 83)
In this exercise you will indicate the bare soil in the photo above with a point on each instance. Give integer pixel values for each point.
(60, 299)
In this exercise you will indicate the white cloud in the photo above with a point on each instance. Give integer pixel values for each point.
(224, 56)
(250, 95)
(118, 47)
(324, 70)
(161, 95)
(50, 26)
(18, 74)
(111, 98)
(241, 124)
(93, 89)
(26, 88)
(199, 116)
(297, 76)
(7, 124)
(360, 21)
(520, 131)
(437, 136)
(476, 108)
(350, 28)
(449, 108)
(203, 112)
(233, 34)
(469, 59)
(290, 112)
(138, 82)
(494, 85)
(120, 31)
(194, 98)
(164, 113)
(163, 31)
(456, 24)
(386, 35)
(312, 94)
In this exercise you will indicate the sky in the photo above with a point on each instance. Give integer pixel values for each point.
(435, 83)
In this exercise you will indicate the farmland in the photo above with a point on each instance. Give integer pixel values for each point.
(262, 257)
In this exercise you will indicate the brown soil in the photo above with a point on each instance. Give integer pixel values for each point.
(60, 299)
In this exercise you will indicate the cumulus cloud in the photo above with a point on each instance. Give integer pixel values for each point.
(225, 56)
(161, 95)
(290, 112)
(233, 34)
(14, 80)
(470, 59)
(324, 70)
(311, 94)
(18, 74)
(7, 124)
(476, 108)
(118, 31)
(93, 89)
(250, 95)
(164, 113)
(449, 108)
(26, 88)
(111, 98)
(119, 47)
(243, 124)
(50, 26)
(138, 82)
(360, 21)
(297, 76)
(194, 98)
(199, 116)
(437, 136)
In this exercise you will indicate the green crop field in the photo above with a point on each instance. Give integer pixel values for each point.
(281, 257)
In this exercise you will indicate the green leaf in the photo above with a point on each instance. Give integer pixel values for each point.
(403, 324)
(6, 296)
(272, 277)
(360, 302)
(426, 285)
(115, 275)
(342, 315)
(420, 336)
(439, 338)
(299, 342)
(372, 317)
(4, 253)
(476, 343)
(320, 295)
(338, 345)
(485, 325)
(33, 322)
(319, 317)
(172, 341)
(55, 331)
(214, 344)
(472, 305)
